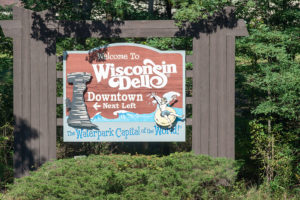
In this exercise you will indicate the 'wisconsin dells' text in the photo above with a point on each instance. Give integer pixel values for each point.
(149, 75)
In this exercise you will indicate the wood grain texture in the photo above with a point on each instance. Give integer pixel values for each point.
(222, 93)
(11, 28)
(59, 100)
(35, 79)
(59, 74)
(213, 94)
(26, 90)
(17, 87)
(43, 107)
(189, 100)
(31, 89)
(136, 28)
(188, 74)
(201, 95)
(189, 121)
(59, 121)
(189, 58)
(230, 70)
(51, 67)
(35, 83)
(239, 30)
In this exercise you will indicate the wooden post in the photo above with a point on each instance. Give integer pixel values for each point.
(34, 93)
(35, 79)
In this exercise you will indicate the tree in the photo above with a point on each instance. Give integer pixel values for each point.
(268, 86)
(267, 72)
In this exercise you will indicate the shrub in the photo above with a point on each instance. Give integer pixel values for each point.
(6, 155)
(177, 176)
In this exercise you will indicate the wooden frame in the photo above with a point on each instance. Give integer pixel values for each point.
(34, 42)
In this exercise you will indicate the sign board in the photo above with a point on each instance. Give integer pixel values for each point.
(124, 92)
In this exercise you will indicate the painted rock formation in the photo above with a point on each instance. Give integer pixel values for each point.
(78, 117)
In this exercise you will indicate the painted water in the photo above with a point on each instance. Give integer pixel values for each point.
(127, 116)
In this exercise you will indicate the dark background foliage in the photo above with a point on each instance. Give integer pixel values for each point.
(267, 83)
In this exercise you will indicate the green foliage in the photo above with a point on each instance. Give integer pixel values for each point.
(195, 10)
(263, 191)
(6, 154)
(120, 9)
(6, 104)
(6, 90)
(5, 13)
(178, 176)
(276, 158)
(96, 9)
(267, 85)
(280, 14)
(274, 73)
(191, 10)
(5, 43)
(6, 66)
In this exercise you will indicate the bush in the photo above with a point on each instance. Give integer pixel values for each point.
(177, 176)
(6, 155)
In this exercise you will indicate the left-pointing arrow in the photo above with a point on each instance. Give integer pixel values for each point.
(96, 106)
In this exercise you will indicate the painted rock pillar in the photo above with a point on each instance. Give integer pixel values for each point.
(78, 117)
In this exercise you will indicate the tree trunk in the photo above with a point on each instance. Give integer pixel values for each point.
(150, 7)
(169, 9)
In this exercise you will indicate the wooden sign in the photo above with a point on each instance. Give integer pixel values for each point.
(124, 92)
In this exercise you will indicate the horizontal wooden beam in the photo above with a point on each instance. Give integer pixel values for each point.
(141, 28)
(11, 28)
(146, 28)
(189, 121)
(188, 74)
(189, 100)
(59, 100)
(240, 29)
(59, 74)
(103, 29)
(129, 28)
(189, 58)
(59, 121)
